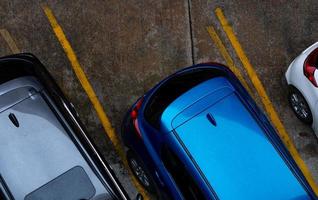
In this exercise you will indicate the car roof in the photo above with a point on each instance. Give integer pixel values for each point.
(37, 153)
(228, 145)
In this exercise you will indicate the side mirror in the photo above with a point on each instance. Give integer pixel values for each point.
(139, 197)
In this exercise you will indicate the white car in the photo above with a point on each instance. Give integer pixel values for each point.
(302, 78)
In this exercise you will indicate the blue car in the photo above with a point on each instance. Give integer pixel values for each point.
(199, 135)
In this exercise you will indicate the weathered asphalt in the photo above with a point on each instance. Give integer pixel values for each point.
(125, 47)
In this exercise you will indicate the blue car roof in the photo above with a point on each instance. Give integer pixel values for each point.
(227, 144)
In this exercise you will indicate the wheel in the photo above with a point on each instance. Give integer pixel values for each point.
(140, 171)
(300, 106)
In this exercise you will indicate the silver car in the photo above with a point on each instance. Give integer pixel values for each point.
(45, 153)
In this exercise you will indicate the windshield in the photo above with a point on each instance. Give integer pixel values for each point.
(172, 89)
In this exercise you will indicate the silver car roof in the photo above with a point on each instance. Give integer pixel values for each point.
(37, 149)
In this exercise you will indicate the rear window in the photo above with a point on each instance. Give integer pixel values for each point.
(73, 184)
(172, 89)
(11, 70)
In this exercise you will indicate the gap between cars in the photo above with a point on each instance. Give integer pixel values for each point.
(109, 130)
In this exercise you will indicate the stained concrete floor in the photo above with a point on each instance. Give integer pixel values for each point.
(125, 47)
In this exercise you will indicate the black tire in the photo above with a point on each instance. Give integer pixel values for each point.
(299, 105)
(140, 172)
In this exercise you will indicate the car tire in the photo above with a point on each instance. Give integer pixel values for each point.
(140, 171)
(299, 105)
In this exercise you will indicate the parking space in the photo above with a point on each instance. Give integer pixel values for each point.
(125, 47)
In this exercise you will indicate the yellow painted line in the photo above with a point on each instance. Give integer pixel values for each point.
(264, 97)
(230, 63)
(90, 91)
(9, 40)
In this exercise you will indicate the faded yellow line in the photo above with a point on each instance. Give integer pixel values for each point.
(230, 63)
(9, 40)
(90, 91)
(265, 99)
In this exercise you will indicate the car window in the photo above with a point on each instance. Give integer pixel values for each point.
(172, 89)
(185, 183)
(9, 71)
(73, 184)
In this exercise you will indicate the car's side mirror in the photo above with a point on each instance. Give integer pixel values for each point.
(139, 197)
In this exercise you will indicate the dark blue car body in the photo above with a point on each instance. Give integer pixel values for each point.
(224, 146)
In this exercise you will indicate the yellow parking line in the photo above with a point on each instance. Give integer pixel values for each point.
(9, 40)
(89, 90)
(214, 36)
(264, 97)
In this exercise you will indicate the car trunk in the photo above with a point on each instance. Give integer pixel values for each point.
(35, 149)
(233, 152)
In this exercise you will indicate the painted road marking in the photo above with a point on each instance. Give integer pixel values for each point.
(59, 33)
(9, 40)
(264, 98)
(214, 36)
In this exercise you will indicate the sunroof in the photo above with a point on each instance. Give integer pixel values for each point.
(73, 184)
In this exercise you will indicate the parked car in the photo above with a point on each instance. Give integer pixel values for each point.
(199, 135)
(302, 79)
(45, 152)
